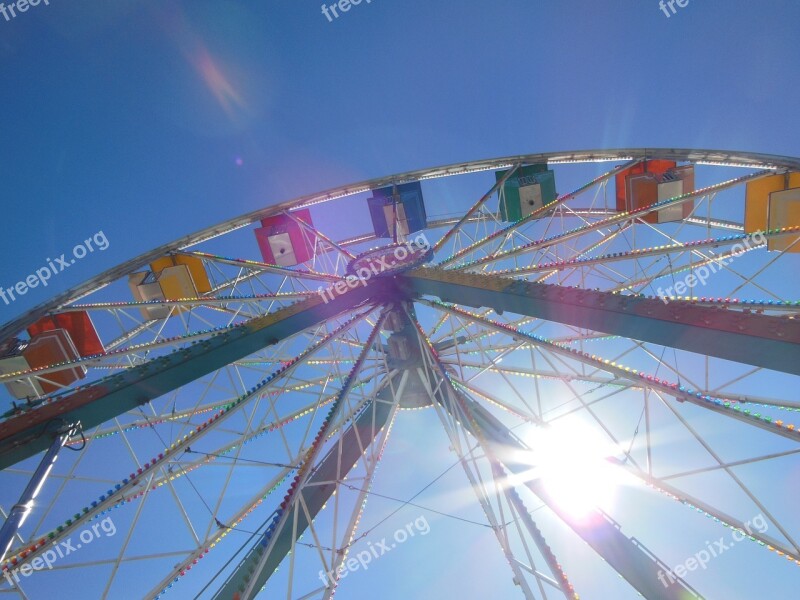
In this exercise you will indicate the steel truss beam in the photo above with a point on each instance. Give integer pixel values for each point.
(251, 575)
(316, 492)
(761, 340)
(22, 436)
(630, 377)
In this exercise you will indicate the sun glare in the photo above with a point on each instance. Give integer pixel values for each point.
(570, 460)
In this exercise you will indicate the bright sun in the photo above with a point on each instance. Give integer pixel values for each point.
(570, 460)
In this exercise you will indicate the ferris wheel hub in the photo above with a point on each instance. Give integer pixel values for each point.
(391, 259)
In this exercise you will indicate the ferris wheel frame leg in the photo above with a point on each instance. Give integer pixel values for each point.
(254, 571)
(21, 510)
(628, 557)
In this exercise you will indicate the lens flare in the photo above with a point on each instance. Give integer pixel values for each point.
(571, 462)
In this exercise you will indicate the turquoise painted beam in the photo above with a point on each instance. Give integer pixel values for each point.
(25, 435)
(771, 342)
(316, 493)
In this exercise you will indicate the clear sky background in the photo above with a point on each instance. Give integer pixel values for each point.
(150, 120)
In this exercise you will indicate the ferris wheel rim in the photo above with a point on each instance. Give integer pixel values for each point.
(562, 159)
(732, 158)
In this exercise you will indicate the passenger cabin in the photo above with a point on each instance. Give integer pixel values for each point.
(653, 181)
(54, 339)
(530, 188)
(285, 242)
(771, 203)
(399, 209)
(173, 277)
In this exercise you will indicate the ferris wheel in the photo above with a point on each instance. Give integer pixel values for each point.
(585, 332)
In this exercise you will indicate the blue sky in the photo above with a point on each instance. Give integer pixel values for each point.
(107, 123)
(151, 120)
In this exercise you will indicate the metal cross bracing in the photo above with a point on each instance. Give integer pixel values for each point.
(95, 404)
(663, 388)
(755, 339)
(501, 447)
(128, 496)
(506, 500)
(314, 485)
(578, 231)
(130, 488)
(191, 326)
(195, 437)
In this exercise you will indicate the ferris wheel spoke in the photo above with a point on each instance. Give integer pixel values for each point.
(751, 375)
(635, 254)
(492, 361)
(589, 408)
(214, 538)
(129, 485)
(749, 243)
(544, 253)
(794, 552)
(472, 388)
(476, 207)
(314, 484)
(466, 451)
(319, 235)
(661, 483)
(182, 416)
(715, 390)
(621, 217)
(200, 309)
(337, 558)
(521, 514)
(221, 452)
(534, 215)
(717, 405)
(444, 317)
(173, 371)
(132, 352)
(540, 374)
(541, 416)
(730, 464)
(501, 447)
(185, 303)
(706, 221)
(168, 476)
(268, 268)
(207, 458)
(772, 261)
(576, 256)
